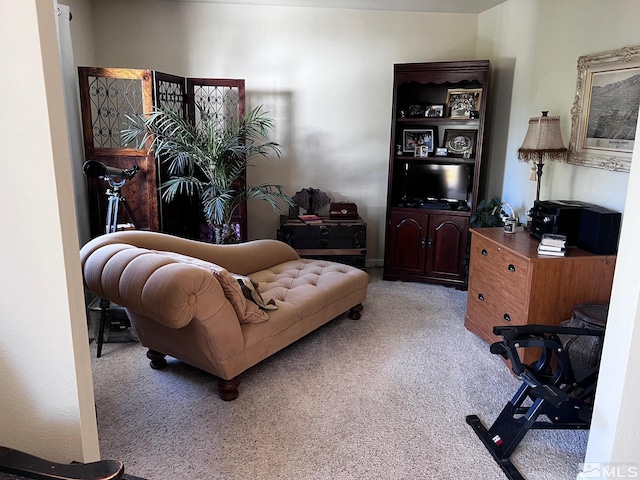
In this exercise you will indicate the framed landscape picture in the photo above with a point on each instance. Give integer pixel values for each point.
(605, 110)
(460, 143)
(417, 137)
(462, 101)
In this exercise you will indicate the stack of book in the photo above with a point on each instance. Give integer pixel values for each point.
(553, 244)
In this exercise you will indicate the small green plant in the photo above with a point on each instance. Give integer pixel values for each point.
(487, 214)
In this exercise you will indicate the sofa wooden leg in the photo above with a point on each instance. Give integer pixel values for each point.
(158, 361)
(354, 313)
(228, 389)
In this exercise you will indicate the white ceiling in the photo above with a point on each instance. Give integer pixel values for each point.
(441, 6)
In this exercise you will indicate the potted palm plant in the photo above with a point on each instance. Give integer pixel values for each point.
(209, 162)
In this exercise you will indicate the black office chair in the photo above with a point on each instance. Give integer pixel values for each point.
(557, 391)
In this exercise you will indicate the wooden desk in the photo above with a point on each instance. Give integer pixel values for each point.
(510, 284)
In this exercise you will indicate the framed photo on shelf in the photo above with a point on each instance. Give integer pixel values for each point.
(605, 110)
(434, 111)
(416, 110)
(462, 101)
(422, 151)
(417, 137)
(441, 152)
(460, 143)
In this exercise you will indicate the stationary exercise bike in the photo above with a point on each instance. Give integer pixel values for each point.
(557, 391)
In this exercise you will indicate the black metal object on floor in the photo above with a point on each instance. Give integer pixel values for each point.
(24, 465)
(109, 323)
(557, 391)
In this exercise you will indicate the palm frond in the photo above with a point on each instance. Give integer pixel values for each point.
(207, 159)
(271, 193)
(181, 185)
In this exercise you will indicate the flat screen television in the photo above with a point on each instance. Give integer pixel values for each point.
(427, 180)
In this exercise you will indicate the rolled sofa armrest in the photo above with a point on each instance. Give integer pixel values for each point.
(157, 288)
(242, 258)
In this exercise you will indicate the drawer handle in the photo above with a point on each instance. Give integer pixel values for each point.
(507, 317)
(484, 252)
(512, 268)
(481, 297)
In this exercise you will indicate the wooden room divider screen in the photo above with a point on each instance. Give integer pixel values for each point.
(107, 96)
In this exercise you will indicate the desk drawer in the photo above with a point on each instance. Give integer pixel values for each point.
(504, 271)
(487, 307)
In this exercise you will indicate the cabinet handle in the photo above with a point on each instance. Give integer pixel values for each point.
(507, 317)
(481, 297)
(512, 268)
(484, 252)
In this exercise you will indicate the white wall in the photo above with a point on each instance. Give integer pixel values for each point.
(46, 394)
(615, 428)
(325, 74)
(534, 46)
(81, 30)
(507, 36)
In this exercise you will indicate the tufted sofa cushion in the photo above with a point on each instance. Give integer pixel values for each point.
(309, 285)
(301, 289)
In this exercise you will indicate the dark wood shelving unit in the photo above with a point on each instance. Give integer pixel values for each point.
(426, 237)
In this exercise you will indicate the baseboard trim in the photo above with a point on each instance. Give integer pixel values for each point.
(374, 263)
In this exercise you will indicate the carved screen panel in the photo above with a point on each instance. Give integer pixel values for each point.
(111, 100)
(170, 92)
(182, 216)
(107, 96)
(224, 101)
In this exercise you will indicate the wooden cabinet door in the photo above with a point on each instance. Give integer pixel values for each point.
(447, 246)
(408, 237)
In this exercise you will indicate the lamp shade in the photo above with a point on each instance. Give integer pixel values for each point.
(543, 140)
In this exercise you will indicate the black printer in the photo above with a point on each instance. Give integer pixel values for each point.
(590, 227)
(557, 216)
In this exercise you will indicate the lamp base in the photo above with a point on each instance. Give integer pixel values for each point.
(539, 166)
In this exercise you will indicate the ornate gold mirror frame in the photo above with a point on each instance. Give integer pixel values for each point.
(605, 111)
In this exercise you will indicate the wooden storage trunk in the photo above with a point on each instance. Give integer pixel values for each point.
(342, 241)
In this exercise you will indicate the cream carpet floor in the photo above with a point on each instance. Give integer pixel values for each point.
(383, 397)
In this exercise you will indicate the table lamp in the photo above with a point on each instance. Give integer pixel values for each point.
(543, 142)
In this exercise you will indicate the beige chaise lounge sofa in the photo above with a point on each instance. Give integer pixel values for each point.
(184, 299)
